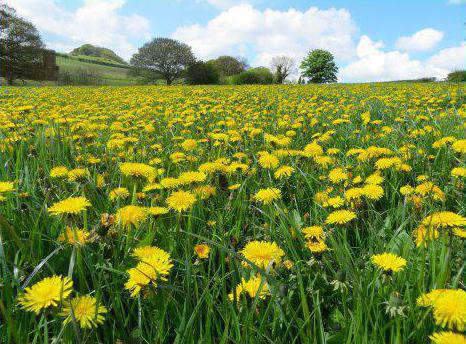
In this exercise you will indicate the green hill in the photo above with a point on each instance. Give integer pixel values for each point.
(76, 70)
(99, 52)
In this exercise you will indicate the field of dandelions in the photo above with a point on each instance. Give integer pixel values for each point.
(255, 214)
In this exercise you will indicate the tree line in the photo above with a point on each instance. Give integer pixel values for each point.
(170, 60)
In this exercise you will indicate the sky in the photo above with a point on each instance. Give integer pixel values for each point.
(371, 40)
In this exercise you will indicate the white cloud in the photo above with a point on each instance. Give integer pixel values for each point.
(374, 64)
(450, 58)
(245, 30)
(96, 21)
(422, 40)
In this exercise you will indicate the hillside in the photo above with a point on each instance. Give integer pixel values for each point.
(99, 52)
(95, 71)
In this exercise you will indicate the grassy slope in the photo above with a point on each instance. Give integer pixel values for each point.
(110, 75)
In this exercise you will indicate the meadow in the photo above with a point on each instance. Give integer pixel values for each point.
(233, 214)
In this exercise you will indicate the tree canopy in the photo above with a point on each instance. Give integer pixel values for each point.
(21, 46)
(163, 57)
(282, 66)
(319, 67)
(202, 73)
(229, 65)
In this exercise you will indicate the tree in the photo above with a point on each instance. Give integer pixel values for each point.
(259, 75)
(457, 76)
(162, 57)
(229, 65)
(202, 73)
(21, 48)
(92, 50)
(283, 66)
(319, 67)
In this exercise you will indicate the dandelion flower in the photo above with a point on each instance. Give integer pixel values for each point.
(313, 232)
(71, 205)
(449, 337)
(268, 195)
(149, 270)
(119, 193)
(262, 253)
(46, 293)
(85, 310)
(202, 251)
(283, 172)
(181, 200)
(131, 215)
(459, 146)
(444, 219)
(340, 217)
(157, 211)
(458, 172)
(337, 175)
(450, 309)
(6, 187)
(255, 286)
(268, 160)
(59, 172)
(138, 170)
(147, 251)
(389, 262)
(74, 236)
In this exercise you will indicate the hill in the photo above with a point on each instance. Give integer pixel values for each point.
(99, 52)
(93, 71)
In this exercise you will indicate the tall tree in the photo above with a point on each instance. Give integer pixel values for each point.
(229, 65)
(21, 48)
(282, 66)
(163, 57)
(319, 67)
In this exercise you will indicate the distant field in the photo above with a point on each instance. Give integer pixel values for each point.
(110, 75)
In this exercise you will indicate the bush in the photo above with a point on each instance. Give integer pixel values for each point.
(457, 76)
(201, 73)
(260, 75)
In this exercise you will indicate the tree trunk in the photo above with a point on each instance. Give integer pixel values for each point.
(169, 80)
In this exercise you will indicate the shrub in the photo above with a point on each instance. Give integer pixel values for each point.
(202, 73)
(259, 75)
(457, 76)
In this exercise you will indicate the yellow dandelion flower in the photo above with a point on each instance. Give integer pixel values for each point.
(268, 160)
(256, 286)
(340, 217)
(461, 233)
(449, 337)
(389, 262)
(459, 146)
(119, 193)
(458, 172)
(138, 170)
(262, 253)
(317, 246)
(337, 175)
(85, 310)
(267, 196)
(283, 172)
(444, 219)
(75, 236)
(59, 172)
(202, 251)
(7, 187)
(450, 309)
(131, 215)
(181, 200)
(149, 270)
(47, 293)
(372, 191)
(157, 211)
(71, 205)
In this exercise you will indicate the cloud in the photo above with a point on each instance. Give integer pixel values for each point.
(422, 40)
(245, 30)
(374, 64)
(95, 21)
(452, 58)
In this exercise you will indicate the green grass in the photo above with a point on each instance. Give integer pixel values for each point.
(337, 297)
(110, 75)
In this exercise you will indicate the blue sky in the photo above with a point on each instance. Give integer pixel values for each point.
(372, 40)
